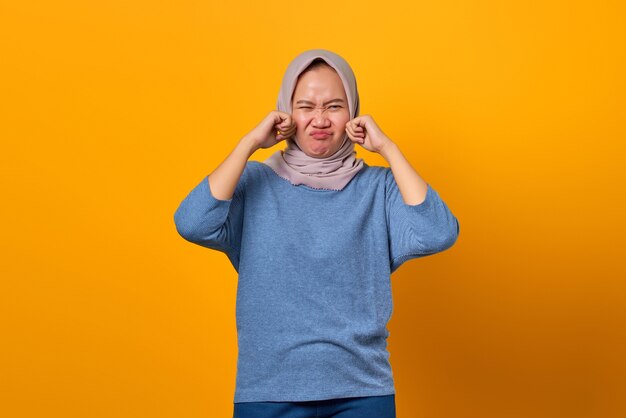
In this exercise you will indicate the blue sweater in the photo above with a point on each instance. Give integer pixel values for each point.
(314, 287)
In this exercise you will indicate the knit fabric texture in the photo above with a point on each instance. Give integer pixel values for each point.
(314, 276)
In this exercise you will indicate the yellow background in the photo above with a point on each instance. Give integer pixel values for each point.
(111, 112)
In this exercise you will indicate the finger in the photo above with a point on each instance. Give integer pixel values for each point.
(359, 130)
(352, 136)
(358, 121)
(281, 127)
(357, 136)
(285, 117)
(286, 124)
(352, 132)
(285, 132)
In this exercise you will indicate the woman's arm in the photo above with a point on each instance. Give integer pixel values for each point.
(225, 177)
(412, 187)
(211, 215)
(365, 131)
(223, 180)
(419, 221)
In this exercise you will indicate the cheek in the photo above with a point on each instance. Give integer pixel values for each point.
(342, 120)
(300, 122)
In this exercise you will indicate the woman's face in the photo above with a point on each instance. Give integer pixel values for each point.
(320, 105)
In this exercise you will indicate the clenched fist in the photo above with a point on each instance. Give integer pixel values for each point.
(364, 131)
(274, 128)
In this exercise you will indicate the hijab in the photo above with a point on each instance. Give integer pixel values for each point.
(292, 163)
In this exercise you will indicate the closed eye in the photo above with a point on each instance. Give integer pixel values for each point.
(309, 107)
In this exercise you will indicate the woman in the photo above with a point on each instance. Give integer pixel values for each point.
(315, 233)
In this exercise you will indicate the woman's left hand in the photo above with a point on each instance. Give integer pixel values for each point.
(364, 131)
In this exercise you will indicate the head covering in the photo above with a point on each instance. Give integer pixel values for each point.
(293, 164)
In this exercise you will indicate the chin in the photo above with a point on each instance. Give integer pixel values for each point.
(319, 155)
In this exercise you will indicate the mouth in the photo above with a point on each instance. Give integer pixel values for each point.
(320, 135)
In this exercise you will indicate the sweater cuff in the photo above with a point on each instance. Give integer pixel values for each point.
(426, 204)
(213, 201)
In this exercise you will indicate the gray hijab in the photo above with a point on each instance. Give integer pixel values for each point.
(293, 164)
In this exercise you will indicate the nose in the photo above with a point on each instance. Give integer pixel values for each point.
(320, 120)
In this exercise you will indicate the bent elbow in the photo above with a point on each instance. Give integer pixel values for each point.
(184, 228)
(453, 235)
(445, 239)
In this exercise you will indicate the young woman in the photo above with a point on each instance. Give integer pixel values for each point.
(314, 233)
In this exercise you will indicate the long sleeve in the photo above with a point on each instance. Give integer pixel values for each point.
(203, 219)
(417, 230)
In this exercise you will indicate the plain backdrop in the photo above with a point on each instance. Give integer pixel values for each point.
(111, 112)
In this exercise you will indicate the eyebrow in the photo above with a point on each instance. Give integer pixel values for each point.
(330, 101)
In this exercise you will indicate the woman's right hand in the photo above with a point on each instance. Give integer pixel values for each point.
(266, 135)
